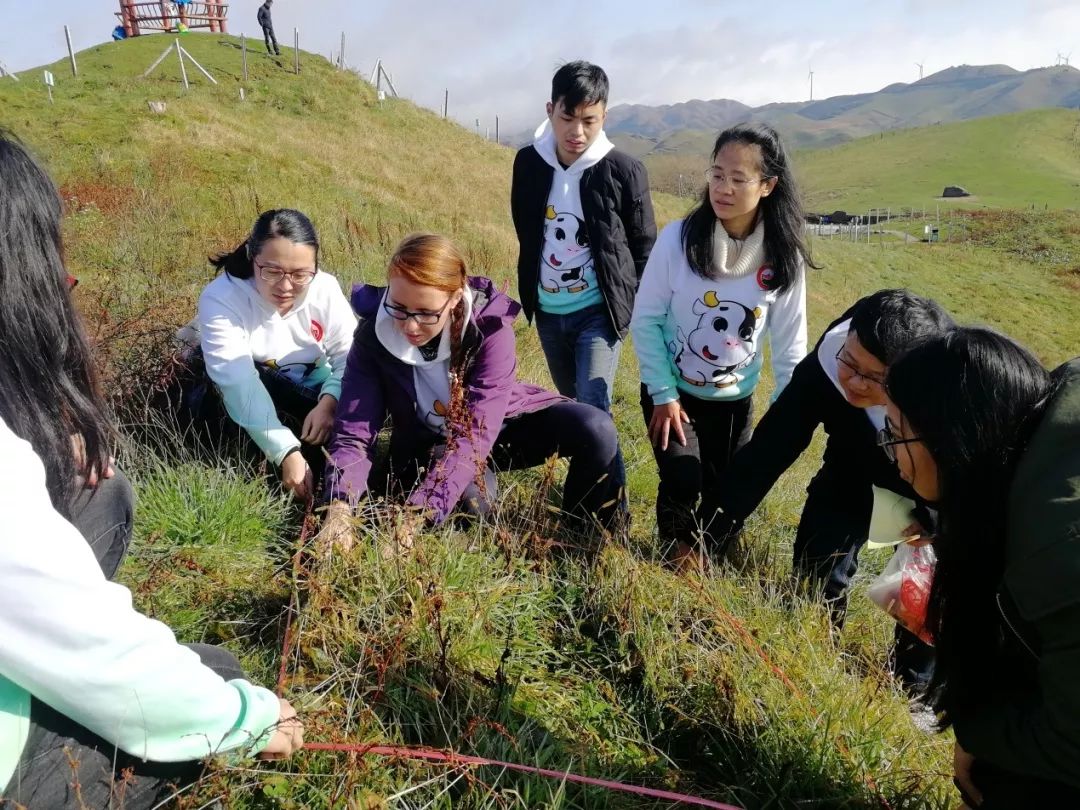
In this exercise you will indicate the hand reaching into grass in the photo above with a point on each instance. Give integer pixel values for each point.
(288, 735)
(406, 527)
(337, 532)
(320, 421)
(667, 419)
(296, 476)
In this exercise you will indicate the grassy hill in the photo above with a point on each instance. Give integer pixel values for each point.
(1009, 161)
(496, 639)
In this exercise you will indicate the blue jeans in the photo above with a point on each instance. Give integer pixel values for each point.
(582, 352)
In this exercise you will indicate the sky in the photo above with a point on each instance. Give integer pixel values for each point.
(496, 57)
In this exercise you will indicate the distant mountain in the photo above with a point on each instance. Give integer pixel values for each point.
(955, 94)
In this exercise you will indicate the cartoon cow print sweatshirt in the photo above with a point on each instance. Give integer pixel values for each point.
(567, 275)
(704, 337)
(240, 332)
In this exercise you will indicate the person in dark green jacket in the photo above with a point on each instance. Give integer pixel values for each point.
(977, 425)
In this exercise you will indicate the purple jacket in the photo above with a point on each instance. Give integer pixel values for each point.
(377, 383)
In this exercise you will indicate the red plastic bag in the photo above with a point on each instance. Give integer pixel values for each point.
(903, 588)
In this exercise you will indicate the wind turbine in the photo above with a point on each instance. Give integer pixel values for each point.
(810, 76)
(919, 65)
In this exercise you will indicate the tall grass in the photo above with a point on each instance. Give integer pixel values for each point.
(496, 638)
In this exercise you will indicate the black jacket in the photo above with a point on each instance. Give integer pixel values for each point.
(618, 214)
(264, 17)
(786, 430)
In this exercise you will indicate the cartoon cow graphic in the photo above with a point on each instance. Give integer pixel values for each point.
(722, 343)
(566, 253)
(436, 417)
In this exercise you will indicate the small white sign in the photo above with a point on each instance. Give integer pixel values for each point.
(49, 80)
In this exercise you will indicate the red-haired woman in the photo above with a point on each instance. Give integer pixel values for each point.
(435, 350)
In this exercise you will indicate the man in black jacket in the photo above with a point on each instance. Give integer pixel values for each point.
(267, 25)
(585, 227)
(839, 386)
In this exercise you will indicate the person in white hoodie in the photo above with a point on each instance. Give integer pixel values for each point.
(99, 705)
(717, 283)
(275, 331)
(585, 226)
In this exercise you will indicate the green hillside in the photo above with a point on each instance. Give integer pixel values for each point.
(502, 639)
(1009, 161)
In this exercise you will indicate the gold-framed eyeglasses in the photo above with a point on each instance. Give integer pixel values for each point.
(716, 177)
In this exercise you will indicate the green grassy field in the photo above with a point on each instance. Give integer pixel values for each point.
(494, 640)
(1023, 161)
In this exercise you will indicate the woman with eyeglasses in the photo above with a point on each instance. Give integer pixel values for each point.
(716, 284)
(435, 350)
(978, 426)
(274, 331)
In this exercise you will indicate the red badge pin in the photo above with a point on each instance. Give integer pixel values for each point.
(765, 275)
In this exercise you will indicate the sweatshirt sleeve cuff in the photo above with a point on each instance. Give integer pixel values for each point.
(664, 396)
(258, 721)
(276, 443)
(332, 387)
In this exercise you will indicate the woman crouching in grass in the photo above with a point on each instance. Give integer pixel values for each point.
(274, 332)
(435, 350)
(977, 425)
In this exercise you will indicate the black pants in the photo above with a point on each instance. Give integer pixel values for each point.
(832, 530)
(64, 765)
(268, 35)
(202, 417)
(104, 516)
(1006, 790)
(573, 430)
(686, 501)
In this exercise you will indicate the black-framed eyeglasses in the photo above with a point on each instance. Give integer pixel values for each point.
(887, 440)
(422, 317)
(301, 278)
(856, 372)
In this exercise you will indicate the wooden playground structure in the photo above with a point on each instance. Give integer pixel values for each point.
(141, 18)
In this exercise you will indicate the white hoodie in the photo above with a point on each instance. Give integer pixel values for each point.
(567, 276)
(72, 639)
(309, 344)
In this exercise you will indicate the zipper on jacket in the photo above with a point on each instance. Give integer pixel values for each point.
(1009, 624)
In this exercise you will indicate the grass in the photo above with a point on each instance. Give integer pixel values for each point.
(490, 640)
(1028, 160)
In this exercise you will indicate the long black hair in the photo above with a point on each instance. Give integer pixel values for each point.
(49, 389)
(781, 211)
(974, 397)
(285, 222)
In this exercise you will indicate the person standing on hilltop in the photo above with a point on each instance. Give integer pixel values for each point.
(585, 227)
(267, 25)
(715, 283)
